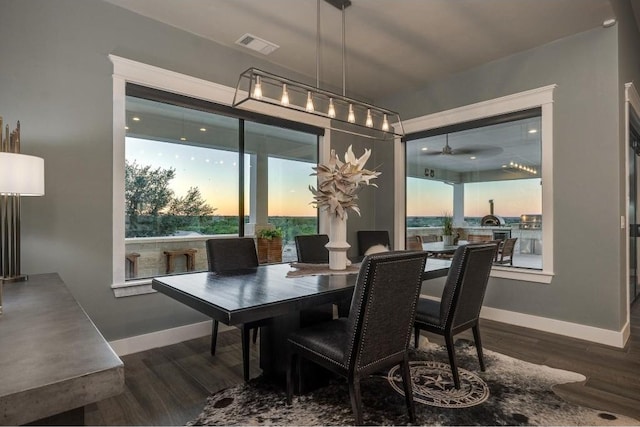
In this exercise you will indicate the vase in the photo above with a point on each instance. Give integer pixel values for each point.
(447, 240)
(338, 245)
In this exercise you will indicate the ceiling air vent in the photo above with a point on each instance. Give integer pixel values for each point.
(256, 43)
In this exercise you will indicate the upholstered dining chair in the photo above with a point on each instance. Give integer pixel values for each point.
(370, 238)
(311, 248)
(234, 256)
(377, 332)
(505, 251)
(462, 296)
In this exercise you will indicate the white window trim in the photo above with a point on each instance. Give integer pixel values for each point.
(129, 71)
(632, 103)
(540, 97)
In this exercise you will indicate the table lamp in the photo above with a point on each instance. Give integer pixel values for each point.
(20, 175)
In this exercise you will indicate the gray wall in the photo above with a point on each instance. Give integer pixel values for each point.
(56, 79)
(589, 286)
(376, 203)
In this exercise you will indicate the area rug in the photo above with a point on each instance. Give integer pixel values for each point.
(509, 392)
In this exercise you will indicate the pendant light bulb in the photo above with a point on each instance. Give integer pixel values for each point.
(257, 90)
(352, 117)
(285, 95)
(369, 121)
(309, 107)
(332, 110)
(385, 124)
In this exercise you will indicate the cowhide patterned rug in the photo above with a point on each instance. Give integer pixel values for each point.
(509, 392)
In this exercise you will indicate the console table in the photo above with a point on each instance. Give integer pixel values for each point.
(53, 360)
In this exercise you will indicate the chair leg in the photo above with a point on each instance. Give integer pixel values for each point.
(245, 332)
(416, 336)
(255, 335)
(452, 359)
(476, 339)
(293, 361)
(214, 337)
(356, 399)
(408, 389)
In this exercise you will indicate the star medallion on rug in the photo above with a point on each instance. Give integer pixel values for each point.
(509, 392)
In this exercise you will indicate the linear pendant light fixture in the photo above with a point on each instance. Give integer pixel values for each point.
(357, 117)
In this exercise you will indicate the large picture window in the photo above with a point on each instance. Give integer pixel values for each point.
(193, 173)
(488, 165)
(487, 176)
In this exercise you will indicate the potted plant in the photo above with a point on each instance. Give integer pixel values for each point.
(269, 245)
(447, 229)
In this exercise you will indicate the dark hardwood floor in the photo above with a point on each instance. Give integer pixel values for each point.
(169, 385)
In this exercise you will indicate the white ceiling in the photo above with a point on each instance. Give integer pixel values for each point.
(391, 45)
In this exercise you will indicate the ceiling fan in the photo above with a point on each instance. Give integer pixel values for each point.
(447, 150)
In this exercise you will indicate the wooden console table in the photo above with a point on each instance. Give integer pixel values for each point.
(53, 360)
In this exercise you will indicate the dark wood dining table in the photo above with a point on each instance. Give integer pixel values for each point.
(266, 293)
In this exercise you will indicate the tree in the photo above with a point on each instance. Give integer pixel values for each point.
(190, 205)
(189, 213)
(147, 192)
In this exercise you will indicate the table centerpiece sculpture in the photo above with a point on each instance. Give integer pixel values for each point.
(337, 192)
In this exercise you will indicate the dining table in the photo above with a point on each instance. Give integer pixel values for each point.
(268, 293)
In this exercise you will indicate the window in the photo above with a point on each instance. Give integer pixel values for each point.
(486, 167)
(187, 169)
(487, 173)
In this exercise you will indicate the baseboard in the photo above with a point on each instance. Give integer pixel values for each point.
(612, 338)
(163, 338)
(559, 327)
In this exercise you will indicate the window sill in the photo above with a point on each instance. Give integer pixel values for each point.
(537, 276)
(132, 288)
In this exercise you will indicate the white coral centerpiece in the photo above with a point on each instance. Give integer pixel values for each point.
(339, 183)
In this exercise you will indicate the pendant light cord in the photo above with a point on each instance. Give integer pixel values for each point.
(344, 72)
(318, 46)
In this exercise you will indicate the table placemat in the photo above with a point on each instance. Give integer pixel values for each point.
(306, 269)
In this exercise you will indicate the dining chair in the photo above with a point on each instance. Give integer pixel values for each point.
(428, 238)
(234, 256)
(498, 243)
(505, 251)
(413, 243)
(462, 296)
(311, 248)
(370, 238)
(376, 334)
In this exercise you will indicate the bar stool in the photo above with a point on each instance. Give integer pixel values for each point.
(189, 253)
(131, 268)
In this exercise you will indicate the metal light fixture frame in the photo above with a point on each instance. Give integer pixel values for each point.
(272, 87)
(367, 119)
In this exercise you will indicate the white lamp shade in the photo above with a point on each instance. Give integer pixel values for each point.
(21, 174)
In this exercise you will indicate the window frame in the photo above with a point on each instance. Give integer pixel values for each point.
(133, 72)
(536, 98)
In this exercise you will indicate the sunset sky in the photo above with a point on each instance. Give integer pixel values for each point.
(215, 173)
